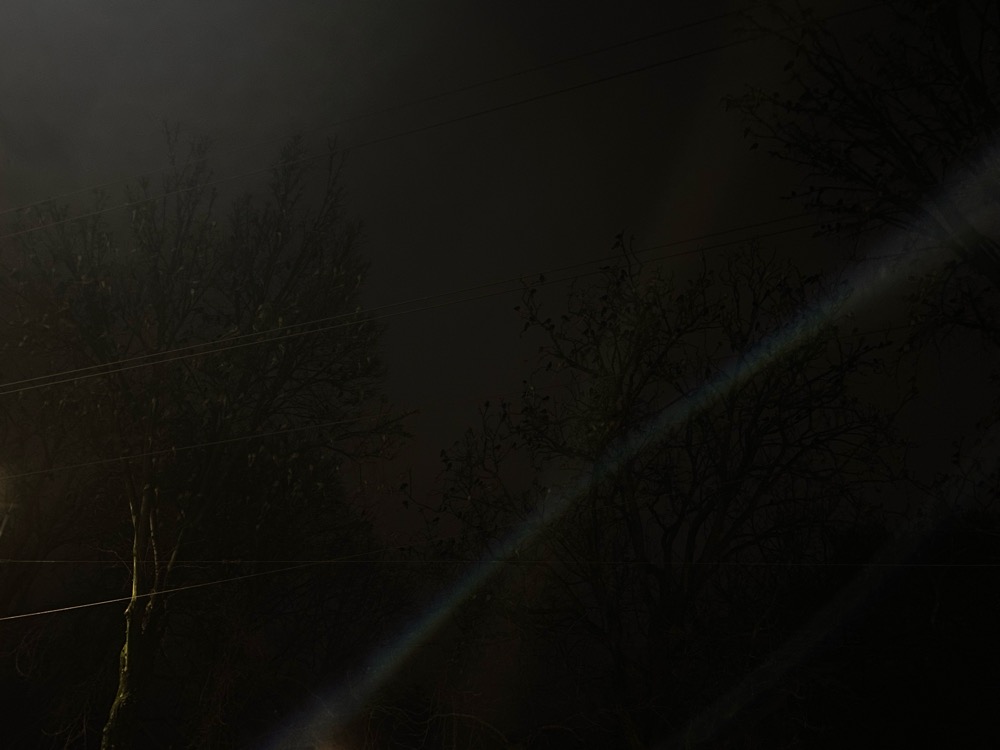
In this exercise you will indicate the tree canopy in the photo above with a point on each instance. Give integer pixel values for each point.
(895, 124)
(192, 385)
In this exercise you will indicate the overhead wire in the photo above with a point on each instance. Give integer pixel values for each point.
(505, 561)
(390, 109)
(193, 446)
(298, 565)
(355, 560)
(134, 362)
(164, 592)
(293, 329)
(419, 129)
(327, 324)
(351, 420)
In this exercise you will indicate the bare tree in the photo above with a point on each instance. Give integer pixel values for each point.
(895, 127)
(229, 366)
(679, 494)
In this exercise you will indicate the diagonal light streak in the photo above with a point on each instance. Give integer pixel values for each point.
(346, 700)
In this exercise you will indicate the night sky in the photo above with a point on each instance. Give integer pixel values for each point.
(509, 193)
(483, 142)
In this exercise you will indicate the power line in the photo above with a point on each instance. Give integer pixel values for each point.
(273, 433)
(193, 446)
(315, 563)
(120, 599)
(425, 128)
(374, 141)
(403, 105)
(138, 362)
(515, 561)
(299, 565)
(351, 420)
(327, 324)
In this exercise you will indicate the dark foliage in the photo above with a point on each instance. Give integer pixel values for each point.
(227, 362)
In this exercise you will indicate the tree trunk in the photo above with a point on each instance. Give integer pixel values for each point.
(142, 619)
(135, 663)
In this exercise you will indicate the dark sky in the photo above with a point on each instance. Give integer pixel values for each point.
(527, 188)
(522, 174)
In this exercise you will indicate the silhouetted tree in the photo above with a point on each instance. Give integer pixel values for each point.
(705, 432)
(231, 368)
(894, 125)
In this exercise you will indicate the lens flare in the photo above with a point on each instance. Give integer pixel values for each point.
(344, 702)
(965, 214)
